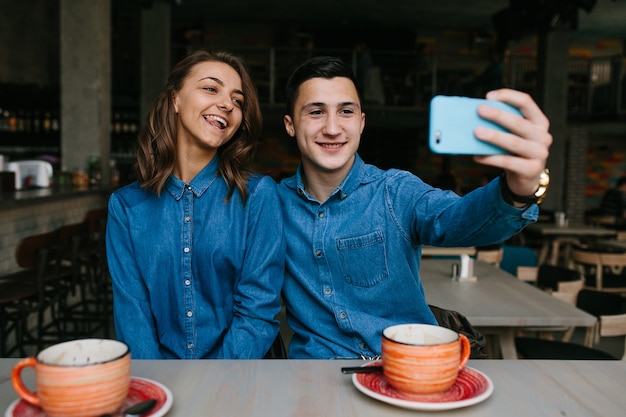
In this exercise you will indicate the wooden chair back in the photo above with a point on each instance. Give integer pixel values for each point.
(601, 261)
(492, 256)
(29, 249)
(527, 273)
(571, 287)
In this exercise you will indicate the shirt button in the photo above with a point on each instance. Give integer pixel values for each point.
(189, 345)
(187, 218)
(189, 313)
(362, 344)
(344, 196)
(328, 291)
(186, 250)
(318, 252)
(342, 314)
(187, 281)
(189, 187)
(320, 214)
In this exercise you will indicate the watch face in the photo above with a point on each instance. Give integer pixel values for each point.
(544, 181)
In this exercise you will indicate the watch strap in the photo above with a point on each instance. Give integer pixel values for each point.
(510, 197)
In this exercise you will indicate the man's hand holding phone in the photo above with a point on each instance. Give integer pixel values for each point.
(507, 130)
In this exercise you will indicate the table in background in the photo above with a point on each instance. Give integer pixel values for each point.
(553, 236)
(497, 302)
(289, 388)
(428, 250)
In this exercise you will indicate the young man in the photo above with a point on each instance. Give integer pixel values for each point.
(354, 232)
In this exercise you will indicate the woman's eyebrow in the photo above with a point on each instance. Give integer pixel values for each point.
(217, 80)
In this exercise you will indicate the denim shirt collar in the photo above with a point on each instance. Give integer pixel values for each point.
(198, 185)
(357, 175)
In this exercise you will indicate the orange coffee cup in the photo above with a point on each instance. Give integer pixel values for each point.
(421, 359)
(79, 378)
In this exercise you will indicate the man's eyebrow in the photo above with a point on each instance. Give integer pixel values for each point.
(322, 104)
(220, 82)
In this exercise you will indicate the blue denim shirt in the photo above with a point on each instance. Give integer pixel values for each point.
(194, 277)
(353, 261)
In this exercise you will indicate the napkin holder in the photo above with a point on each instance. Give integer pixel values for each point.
(467, 269)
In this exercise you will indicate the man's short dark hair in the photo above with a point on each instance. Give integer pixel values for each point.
(316, 67)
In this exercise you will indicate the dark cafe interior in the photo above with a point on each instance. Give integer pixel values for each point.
(548, 305)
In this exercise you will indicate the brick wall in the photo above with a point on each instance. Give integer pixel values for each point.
(577, 143)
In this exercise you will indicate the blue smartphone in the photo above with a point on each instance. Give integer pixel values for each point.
(452, 123)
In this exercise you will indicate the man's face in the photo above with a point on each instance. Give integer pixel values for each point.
(327, 124)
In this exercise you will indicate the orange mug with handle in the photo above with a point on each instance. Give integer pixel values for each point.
(79, 378)
(422, 359)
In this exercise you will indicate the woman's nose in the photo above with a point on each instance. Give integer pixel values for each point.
(226, 104)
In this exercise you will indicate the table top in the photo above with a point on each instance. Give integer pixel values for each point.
(277, 388)
(497, 298)
(551, 229)
(436, 250)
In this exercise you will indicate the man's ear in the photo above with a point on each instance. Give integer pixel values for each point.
(289, 126)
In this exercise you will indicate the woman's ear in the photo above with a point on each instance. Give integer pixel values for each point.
(175, 101)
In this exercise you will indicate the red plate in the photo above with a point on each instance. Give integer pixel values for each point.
(470, 387)
(140, 389)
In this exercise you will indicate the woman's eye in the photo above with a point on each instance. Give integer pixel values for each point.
(210, 89)
(238, 101)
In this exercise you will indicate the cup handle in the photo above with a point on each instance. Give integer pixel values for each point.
(466, 349)
(18, 384)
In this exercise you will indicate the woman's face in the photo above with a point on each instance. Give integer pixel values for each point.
(209, 107)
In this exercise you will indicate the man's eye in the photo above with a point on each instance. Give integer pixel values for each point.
(315, 112)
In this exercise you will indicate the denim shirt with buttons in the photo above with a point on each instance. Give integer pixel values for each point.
(353, 260)
(193, 276)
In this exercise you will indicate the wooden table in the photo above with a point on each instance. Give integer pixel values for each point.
(428, 250)
(553, 236)
(290, 388)
(497, 302)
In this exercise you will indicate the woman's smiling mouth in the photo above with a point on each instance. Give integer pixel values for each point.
(216, 121)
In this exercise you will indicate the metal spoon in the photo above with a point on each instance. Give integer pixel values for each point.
(361, 369)
(137, 409)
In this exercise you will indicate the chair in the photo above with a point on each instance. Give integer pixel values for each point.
(86, 313)
(100, 289)
(603, 271)
(15, 301)
(517, 256)
(491, 255)
(560, 282)
(611, 312)
(554, 278)
(44, 274)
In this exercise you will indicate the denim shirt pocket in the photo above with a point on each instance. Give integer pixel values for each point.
(363, 259)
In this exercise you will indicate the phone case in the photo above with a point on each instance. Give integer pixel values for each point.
(452, 123)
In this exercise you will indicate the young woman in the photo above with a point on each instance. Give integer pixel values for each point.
(195, 246)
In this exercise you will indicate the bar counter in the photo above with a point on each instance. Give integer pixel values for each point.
(38, 210)
(34, 196)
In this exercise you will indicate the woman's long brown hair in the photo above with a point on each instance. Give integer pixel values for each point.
(156, 153)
